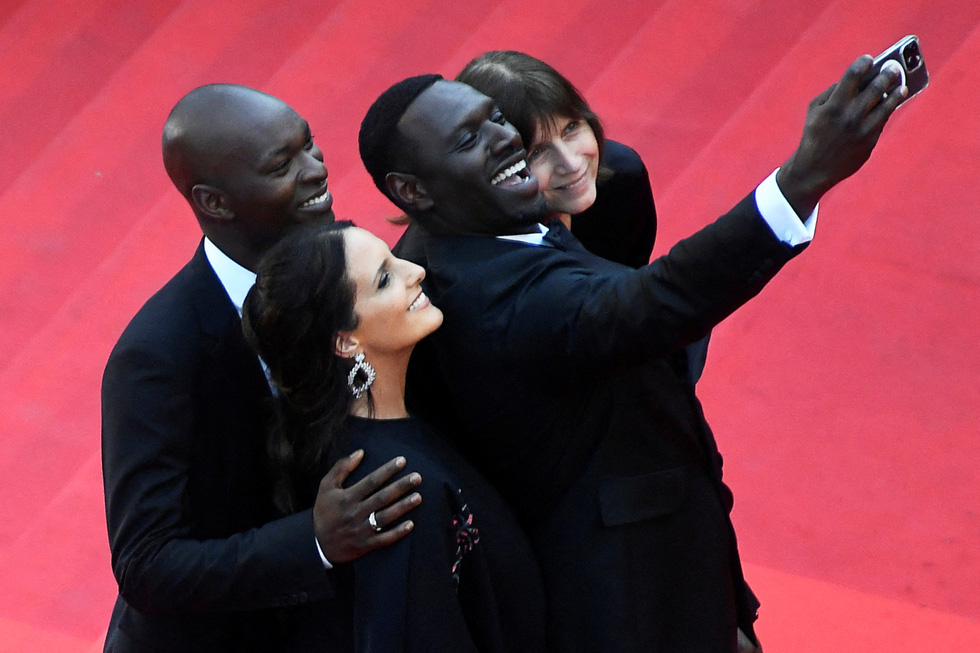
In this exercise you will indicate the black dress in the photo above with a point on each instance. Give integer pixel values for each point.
(465, 579)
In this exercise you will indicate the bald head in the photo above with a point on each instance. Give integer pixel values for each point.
(247, 164)
(209, 124)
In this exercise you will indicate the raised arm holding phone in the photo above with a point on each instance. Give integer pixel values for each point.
(561, 366)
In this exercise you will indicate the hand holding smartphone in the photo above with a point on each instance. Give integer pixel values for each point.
(835, 146)
(907, 57)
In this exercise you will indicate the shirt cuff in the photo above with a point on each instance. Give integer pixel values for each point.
(781, 217)
(323, 558)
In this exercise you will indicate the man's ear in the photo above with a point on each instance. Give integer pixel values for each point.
(408, 190)
(212, 202)
(345, 345)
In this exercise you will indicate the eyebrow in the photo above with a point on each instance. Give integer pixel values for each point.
(484, 109)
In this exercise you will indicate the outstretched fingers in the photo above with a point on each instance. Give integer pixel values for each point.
(379, 478)
(349, 522)
(390, 503)
(389, 536)
(385, 503)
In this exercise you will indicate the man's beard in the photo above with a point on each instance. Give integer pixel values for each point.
(535, 214)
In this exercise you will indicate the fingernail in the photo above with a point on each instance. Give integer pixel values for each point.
(357, 454)
(399, 461)
(408, 526)
(416, 498)
(415, 477)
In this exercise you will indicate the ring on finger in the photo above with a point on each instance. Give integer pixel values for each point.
(373, 521)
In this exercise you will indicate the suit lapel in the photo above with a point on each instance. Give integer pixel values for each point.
(220, 321)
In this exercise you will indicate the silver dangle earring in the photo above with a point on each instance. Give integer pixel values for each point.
(362, 366)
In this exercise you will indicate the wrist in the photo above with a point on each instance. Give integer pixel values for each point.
(803, 191)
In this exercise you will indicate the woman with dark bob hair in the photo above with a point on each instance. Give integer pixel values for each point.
(600, 182)
(335, 316)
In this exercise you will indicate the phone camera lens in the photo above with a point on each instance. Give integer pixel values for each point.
(912, 57)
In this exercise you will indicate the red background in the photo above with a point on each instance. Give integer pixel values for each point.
(845, 397)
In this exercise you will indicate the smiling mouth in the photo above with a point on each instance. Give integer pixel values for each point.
(513, 174)
(420, 302)
(574, 185)
(314, 201)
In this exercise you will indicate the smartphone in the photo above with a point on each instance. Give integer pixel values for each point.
(908, 56)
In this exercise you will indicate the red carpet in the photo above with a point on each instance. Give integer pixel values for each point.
(845, 397)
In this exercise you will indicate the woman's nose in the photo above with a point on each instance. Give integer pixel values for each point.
(565, 158)
(413, 273)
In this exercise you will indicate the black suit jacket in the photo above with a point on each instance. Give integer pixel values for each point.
(199, 556)
(563, 368)
(621, 225)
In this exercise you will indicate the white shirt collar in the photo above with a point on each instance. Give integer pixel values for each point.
(237, 281)
(530, 239)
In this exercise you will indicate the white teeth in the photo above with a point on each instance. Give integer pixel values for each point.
(418, 302)
(509, 172)
(316, 200)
